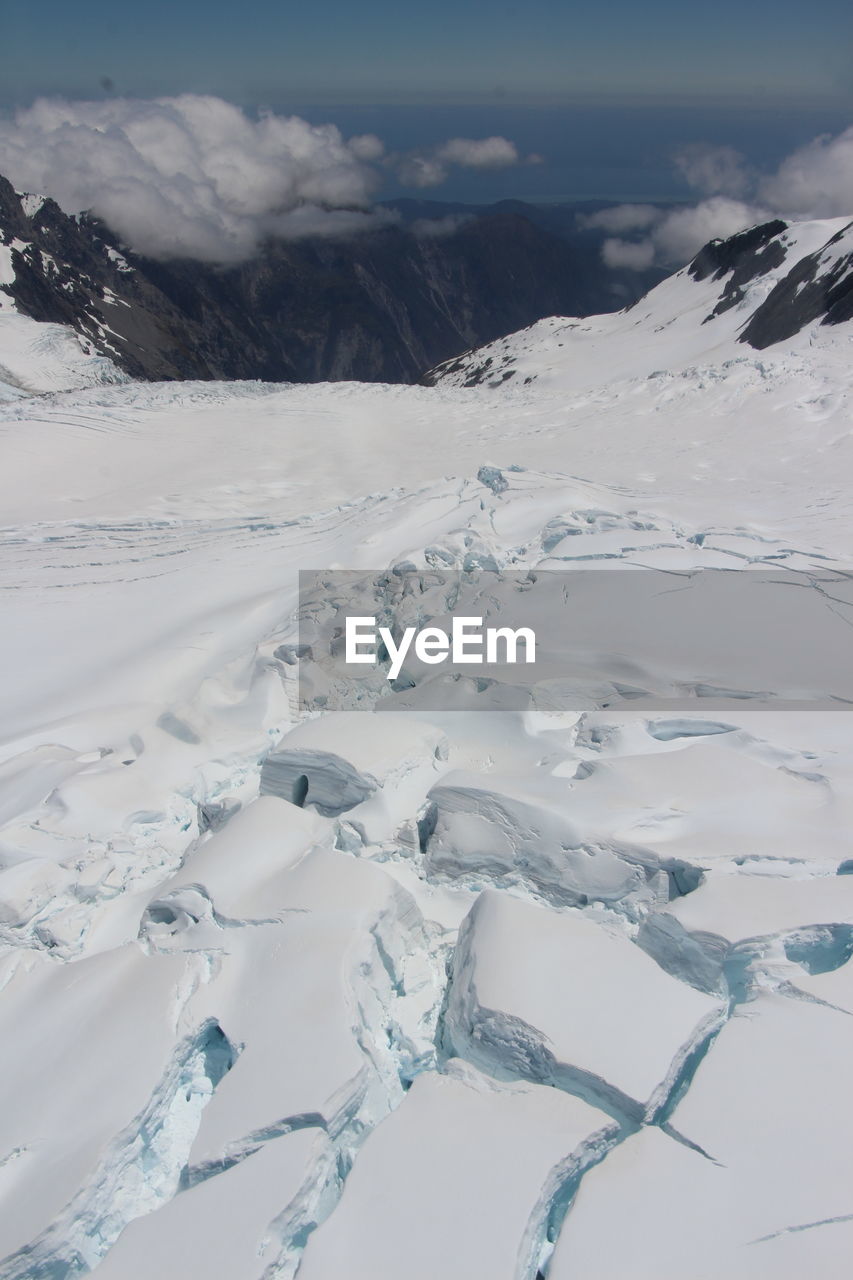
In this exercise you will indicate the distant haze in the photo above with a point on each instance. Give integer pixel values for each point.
(382, 50)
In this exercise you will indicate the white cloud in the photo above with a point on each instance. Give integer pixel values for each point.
(432, 167)
(195, 176)
(478, 153)
(631, 254)
(366, 146)
(816, 181)
(421, 171)
(677, 235)
(715, 171)
(299, 223)
(681, 233)
(622, 217)
(188, 176)
(434, 228)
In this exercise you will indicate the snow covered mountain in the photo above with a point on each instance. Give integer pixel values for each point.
(505, 994)
(759, 289)
(380, 307)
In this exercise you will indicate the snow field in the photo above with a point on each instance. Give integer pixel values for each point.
(433, 992)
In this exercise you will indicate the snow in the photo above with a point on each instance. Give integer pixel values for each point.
(221, 1228)
(297, 992)
(236, 866)
(561, 1000)
(660, 339)
(80, 1094)
(37, 358)
(369, 995)
(343, 759)
(30, 204)
(119, 259)
(494, 827)
(474, 1199)
(835, 987)
(736, 1209)
(738, 907)
(669, 802)
(777, 1051)
(7, 271)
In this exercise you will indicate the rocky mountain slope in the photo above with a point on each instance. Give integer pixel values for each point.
(756, 290)
(378, 307)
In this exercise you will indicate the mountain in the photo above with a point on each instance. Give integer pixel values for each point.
(378, 307)
(756, 290)
(565, 219)
(557, 988)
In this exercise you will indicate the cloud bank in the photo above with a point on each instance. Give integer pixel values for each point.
(816, 181)
(622, 217)
(436, 228)
(432, 167)
(194, 176)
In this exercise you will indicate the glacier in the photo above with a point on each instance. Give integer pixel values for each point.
(535, 992)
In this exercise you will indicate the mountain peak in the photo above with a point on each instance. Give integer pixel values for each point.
(817, 288)
(761, 287)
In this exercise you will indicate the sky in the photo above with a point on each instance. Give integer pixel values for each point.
(567, 101)
(448, 50)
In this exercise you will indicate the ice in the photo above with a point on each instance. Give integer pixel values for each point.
(221, 1228)
(390, 993)
(739, 931)
(37, 358)
(738, 907)
(735, 1213)
(835, 986)
(337, 761)
(784, 1058)
(96, 1074)
(484, 827)
(654, 1209)
(558, 999)
(237, 866)
(716, 801)
(306, 994)
(491, 1158)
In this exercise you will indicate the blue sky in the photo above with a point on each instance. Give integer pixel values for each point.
(448, 50)
(604, 91)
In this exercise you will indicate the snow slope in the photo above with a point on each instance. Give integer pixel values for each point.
(35, 357)
(697, 315)
(507, 978)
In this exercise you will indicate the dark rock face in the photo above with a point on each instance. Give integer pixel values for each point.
(743, 257)
(741, 254)
(378, 307)
(819, 287)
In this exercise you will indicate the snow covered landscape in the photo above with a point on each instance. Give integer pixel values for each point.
(505, 995)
